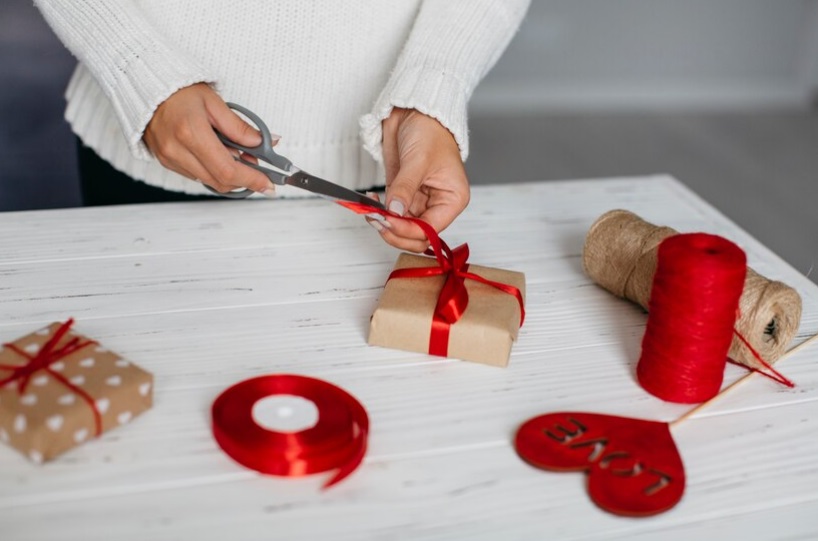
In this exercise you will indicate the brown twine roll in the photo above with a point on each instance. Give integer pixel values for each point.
(620, 255)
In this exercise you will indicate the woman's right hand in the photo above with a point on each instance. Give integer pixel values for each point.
(180, 135)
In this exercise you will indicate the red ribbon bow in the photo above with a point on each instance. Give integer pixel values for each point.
(453, 264)
(43, 359)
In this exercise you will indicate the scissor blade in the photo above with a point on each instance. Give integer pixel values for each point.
(319, 186)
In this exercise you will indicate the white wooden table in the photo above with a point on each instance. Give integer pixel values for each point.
(207, 294)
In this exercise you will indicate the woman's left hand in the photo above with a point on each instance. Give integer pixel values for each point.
(425, 178)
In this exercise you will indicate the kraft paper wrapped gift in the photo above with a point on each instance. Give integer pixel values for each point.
(485, 332)
(48, 401)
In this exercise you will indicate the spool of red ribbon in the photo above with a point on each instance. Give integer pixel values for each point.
(337, 441)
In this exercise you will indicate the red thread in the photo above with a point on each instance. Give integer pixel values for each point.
(44, 358)
(693, 308)
(771, 373)
(337, 441)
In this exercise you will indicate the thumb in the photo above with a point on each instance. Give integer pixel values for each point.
(232, 125)
(401, 191)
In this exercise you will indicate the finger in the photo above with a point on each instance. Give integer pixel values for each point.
(403, 188)
(374, 215)
(441, 216)
(242, 156)
(230, 124)
(410, 245)
(194, 170)
(405, 229)
(221, 166)
(448, 203)
(247, 157)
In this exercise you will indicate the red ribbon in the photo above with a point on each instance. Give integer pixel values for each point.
(43, 359)
(453, 298)
(337, 441)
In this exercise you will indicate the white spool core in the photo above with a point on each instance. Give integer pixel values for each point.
(285, 413)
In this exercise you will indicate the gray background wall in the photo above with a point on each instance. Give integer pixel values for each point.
(718, 93)
(658, 55)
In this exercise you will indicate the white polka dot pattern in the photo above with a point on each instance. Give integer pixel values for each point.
(55, 422)
(20, 423)
(87, 362)
(102, 405)
(80, 435)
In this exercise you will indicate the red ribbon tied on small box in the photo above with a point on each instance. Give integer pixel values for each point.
(43, 359)
(453, 264)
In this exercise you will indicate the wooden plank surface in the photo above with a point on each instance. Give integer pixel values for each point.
(207, 294)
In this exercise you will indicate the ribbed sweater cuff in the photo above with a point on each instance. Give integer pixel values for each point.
(428, 90)
(136, 66)
(147, 84)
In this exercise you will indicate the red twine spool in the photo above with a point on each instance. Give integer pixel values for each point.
(337, 441)
(693, 309)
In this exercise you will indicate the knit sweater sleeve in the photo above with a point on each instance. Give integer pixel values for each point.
(451, 47)
(136, 66)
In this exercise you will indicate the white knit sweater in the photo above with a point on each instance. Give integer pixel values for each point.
(322, 74)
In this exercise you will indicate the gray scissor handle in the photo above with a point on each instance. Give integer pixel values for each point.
(262, 152)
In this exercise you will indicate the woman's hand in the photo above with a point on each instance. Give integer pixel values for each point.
(425, 177)
(181, 136)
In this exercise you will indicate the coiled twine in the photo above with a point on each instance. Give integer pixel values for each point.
(620, 254)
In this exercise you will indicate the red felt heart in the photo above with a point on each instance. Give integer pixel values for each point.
(633, 465)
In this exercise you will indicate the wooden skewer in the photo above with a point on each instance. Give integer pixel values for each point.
(736, 383)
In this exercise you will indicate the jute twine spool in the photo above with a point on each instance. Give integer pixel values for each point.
(620, 254)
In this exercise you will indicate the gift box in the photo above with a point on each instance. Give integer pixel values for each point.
(408, 315)
(59, 389)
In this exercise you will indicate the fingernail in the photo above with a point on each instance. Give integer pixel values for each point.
(377, 225)
(380, 219)
(269, 192)
(397, 207)
(274, 139)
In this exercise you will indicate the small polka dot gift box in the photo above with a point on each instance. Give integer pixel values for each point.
(59, 389)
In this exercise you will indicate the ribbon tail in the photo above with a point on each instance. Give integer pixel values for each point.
(360, 445)
(439, 337)
(351, 465)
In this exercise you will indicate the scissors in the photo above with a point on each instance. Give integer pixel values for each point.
(283, 171)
